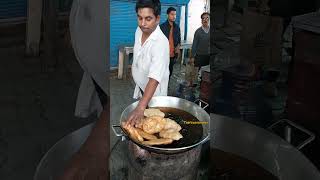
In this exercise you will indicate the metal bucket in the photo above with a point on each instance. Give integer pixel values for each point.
(52, 164)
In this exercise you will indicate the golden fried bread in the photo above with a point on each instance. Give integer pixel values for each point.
(153, 112)
(153, 124)
(139, 123)
(133, 132)
(146, 135)
(170, 134)
(161, 141)
(171, 124)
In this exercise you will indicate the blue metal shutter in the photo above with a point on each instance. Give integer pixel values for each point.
(13, 8)
(10, 9)
(177, 2)
(123, 24)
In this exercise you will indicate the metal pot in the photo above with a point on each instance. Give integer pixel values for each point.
(53, 162)
(169, 102)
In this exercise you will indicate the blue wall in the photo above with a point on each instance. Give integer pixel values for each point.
(13, 8)
(123, 23)
(18, 8)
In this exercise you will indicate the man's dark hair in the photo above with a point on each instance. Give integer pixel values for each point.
(205, 13)
(153, 4)
(171, 9)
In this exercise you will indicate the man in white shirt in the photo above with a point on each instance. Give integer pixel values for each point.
(150, 67)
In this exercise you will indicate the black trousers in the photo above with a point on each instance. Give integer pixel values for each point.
(102, 95)
(201, 60)
(172, 62)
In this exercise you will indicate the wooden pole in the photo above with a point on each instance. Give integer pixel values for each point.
(33, 32)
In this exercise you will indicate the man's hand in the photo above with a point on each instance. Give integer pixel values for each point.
(177, 51)
(135, 116)
(191, 61)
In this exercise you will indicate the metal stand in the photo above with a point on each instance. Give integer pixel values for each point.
(204, 105)
(289, 125)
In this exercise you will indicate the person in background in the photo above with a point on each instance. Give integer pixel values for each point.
(172, 32)
(200, 52)
(150, 67)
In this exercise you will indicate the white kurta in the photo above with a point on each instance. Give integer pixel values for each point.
(151, 60)
(88, 30)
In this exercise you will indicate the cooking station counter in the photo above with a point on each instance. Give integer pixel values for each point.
(244, 140)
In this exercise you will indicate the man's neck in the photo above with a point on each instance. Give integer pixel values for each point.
(171, 23)
(144, 37)
(206, 27)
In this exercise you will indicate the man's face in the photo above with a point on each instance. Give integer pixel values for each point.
(147, 21)
(205, 20)
(172, 16)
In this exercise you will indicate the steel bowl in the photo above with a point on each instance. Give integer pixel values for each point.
(168, 102)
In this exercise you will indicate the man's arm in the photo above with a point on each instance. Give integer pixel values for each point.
(179, 41)
(179, 36)
(148, 93)
(137, 114)
(194, 44)
(194, 47)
